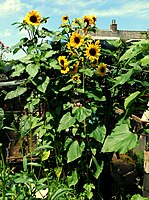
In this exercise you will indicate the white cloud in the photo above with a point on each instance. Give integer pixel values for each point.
(74, 7)
(8, 7)
(133, 8)
(5, 33)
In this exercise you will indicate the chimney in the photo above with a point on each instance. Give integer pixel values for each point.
(113, 26)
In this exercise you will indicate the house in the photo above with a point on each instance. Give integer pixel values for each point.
(114, 34)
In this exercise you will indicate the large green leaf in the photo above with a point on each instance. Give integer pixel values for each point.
(74, 152)
(99, 133)
(15, 93)
(26, 59)
(121, 140)
(87, 72)
(59, 193)
(145, 61)
(73, 179)
(68, 87)
(138, 197)
(32, 69)
(120, 80)
(18, 70)
(98, 168)
(44, 85)
(81, 113)
(66, 121)
(1, 117)
(130, 99)
(45, 46)
(45, 155)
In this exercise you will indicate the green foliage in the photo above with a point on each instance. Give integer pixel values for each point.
(72, 102)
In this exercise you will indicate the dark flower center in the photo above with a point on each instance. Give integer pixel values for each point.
(65, 18)
(87, 22)
(77, 40)
(62, 62)
(92, 52)
(95, 62)
(33, 19)
(94, 19)
(102, 69)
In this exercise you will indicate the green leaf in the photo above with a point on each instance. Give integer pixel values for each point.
(67, 143)
(99, 133)
(58, 171)
(87, 72)
(130, 99)
(1, 117)
(68, 87)
(54, 64)
(59, 193)
(45, 46)
(50, 53)
(145, 61)
(32, 69)
(97, 95)
(34, 164)
(74, 152)
(99, 168)
(18, 70)
(138, 197)
(44, 85)
(73, 179)
(88, 188)
(81, 113)
(19, 91)
(120, 80)
(45, 155)
(66, 121)
(26, 59)
(24, 163)
(121, 140)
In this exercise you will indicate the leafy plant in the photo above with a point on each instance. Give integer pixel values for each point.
(74, 92)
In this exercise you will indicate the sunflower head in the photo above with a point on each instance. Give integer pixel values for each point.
(63, 62)
(101, 70)
(92, 51)
(94, 19)
(76, 40)
(76, 78)
(64, 70)
(75, 68)
(33, 18)
(95, 62)
(65, 19)
(77, 21)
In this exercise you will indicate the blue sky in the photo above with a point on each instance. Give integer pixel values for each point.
(129, 14)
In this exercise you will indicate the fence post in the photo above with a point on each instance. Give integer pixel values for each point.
(146, 174)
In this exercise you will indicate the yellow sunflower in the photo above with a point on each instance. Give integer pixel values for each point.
(33, 18)
(92, 51)
(95, 62)
(88, 20)
(75, 68)
(77, 21)
(65, 19)
(64, 70)
(101, 70)
(76, 78)
(63, 62)
(76, 40)
(94, 19)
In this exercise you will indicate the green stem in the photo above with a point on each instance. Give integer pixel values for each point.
(4, 180)
(31, 148)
